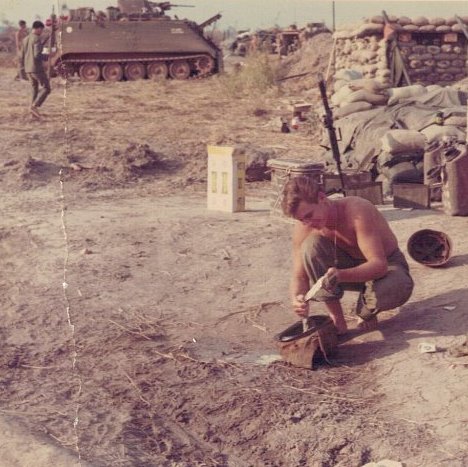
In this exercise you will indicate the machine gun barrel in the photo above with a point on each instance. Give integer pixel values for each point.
(328, 123)
(210, 21)
(165, 6)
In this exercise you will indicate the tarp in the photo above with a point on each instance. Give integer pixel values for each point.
(360, 133)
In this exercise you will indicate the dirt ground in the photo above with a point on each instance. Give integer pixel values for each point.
(135, 323)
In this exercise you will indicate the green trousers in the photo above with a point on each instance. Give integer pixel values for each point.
(40, 87)
(386, 293)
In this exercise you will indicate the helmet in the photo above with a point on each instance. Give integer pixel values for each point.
(430, 247)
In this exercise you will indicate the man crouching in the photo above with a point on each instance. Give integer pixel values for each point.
(347, 244)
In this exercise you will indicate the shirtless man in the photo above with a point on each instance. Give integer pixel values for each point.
(19, 37)
(348, 241)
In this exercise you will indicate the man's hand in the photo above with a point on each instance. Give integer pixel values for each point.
(300, 307)
(331, 279)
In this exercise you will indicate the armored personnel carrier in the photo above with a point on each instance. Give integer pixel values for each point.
(133, 41)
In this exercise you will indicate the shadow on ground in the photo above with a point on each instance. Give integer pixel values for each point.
(426, 318)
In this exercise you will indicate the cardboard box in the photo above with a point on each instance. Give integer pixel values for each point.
(411, 195)
(226, 179)
(302, 107)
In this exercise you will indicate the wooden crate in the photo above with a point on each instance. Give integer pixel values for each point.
(332, 182)
(411, 195)
(372, 191)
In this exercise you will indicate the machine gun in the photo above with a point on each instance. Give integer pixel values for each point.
(165, 6)
(145, 7)
(328, 123)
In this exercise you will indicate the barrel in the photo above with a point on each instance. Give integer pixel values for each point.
(283, 170)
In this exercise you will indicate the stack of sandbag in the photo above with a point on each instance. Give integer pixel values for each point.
(353, 93)
(363, 48)
(366, 55)
(401, 158)
(441, 64)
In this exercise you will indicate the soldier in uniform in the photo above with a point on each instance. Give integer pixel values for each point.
(31, 63)
(19, 37)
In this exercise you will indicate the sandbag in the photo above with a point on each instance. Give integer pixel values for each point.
(351, 108)
(337, 85)
(405, 92)
(433, 49)
(420, 21)
(458, 63)
(338, 97)
(451, 21)
(427, 28)
(348, 75)
(420, 56)
(415, 64)
(437, 132)
(437, 21)
(403, 172)
(370, 85)
(396, 165)
(377, 19)
(363, 56)
(443, 64)
(399, 141)
(366, 96)
(419, 49)
(383, 73)
(404, 20)
(443, 28)
(433, 87)
(369, 29)
(456, 120)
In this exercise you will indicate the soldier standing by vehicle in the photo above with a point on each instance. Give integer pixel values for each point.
(19, 37)
(31, 63)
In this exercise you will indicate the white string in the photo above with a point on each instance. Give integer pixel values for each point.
(65, 284)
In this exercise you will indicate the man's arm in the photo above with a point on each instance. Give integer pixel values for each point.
(37, 49)
(299, 280)
(23, 52)
(369, 241)
(18, 41)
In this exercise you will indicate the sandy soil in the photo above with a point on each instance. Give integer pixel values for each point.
(151, 352)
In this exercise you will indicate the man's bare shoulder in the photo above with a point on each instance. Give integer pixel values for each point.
(356, 207)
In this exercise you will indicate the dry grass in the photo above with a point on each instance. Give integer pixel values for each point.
(7, 60)
(256, 76)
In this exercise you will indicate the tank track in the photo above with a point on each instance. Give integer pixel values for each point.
(76, 61)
